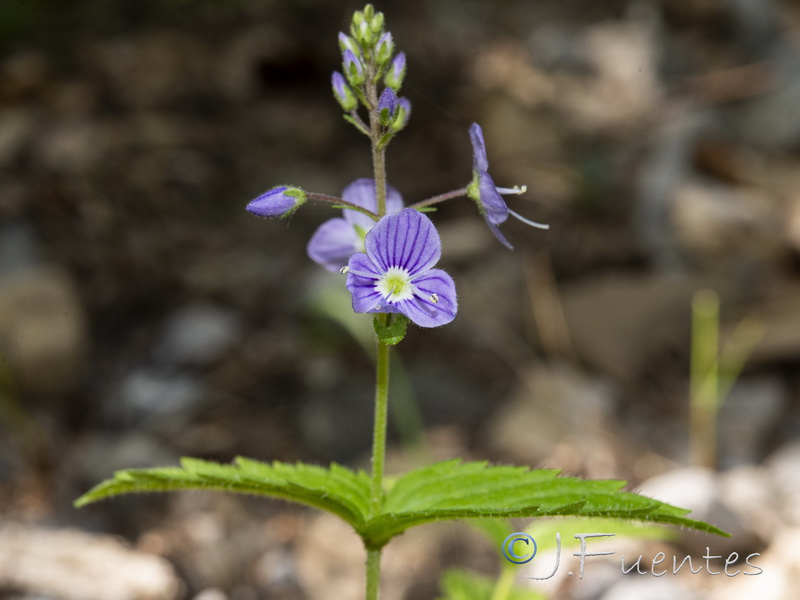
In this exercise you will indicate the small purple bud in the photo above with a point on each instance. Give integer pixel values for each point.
(344, 95)
(403, 113)
(277, 202)
(384, 48)
(397, 72)
(352, 68)
(348, 43)
(388, 101)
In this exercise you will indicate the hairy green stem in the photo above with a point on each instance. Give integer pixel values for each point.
(378, 150)
(339, 203)
(381, 418)
(440, 198)
(373, 573)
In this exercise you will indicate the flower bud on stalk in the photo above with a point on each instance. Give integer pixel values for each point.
(280, 201)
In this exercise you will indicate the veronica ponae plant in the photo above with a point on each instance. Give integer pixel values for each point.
(389, 256)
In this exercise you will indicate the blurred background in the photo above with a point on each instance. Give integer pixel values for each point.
(144, 315)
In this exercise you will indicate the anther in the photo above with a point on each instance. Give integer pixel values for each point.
(435, 298)
(344, 269)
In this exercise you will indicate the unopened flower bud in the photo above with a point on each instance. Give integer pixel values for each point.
(402, 114)
(397, 72)
(387, 106)
(278, 202)
(344, 95)
(376, 24)
(353, 69)
(384, 48)
(348, 43)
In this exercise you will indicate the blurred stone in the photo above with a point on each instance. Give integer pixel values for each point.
(773, 573)
(622, 323)
(780, 315)
(773, 120)
(16, 130)
(749, 418)
(663, 168)
(556, 405)
(99, 455)
(42, 330)
(649, 588)
(211, 594)
(71, 146)
(72, 565)
(784, 470)
(699, 490)
(722, 223)
(751, 492)
(147, 396)
(19, 248)
(198, 335)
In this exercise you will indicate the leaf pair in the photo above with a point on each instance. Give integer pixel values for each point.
(445, 490)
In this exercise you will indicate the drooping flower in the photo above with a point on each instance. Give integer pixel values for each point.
(395, 274)
(486, 194)
(337, 239)
(278, 202)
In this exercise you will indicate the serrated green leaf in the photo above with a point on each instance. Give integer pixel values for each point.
(337, 489)
(459, 584)
(454, 490)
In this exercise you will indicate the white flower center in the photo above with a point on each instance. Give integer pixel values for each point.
(395, 285)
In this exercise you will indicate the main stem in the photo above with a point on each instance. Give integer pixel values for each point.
(382, 354)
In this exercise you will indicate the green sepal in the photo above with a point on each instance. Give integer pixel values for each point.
(393, 331)
(385, 139)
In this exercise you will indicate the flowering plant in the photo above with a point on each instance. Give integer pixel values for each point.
(388, 254)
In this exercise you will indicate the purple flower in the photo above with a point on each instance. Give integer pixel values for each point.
(279, 201)
(486, 194)
(337, 239)
(395, 274)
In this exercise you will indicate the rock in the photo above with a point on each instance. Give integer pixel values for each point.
(718, 223)
(664, 167)
(784, 471)
(699, 490)
(773, 574)
(19, 248)
(147, 396)
(16, 130)
(198, 335)
(556, 405)
(99, 455)
(749, 418)
(649, 588)
(72, 565)
(42, 330)
(773, 119)
(621, 323)
(780, 316)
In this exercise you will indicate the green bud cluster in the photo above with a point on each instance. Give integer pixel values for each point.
(369, 59)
